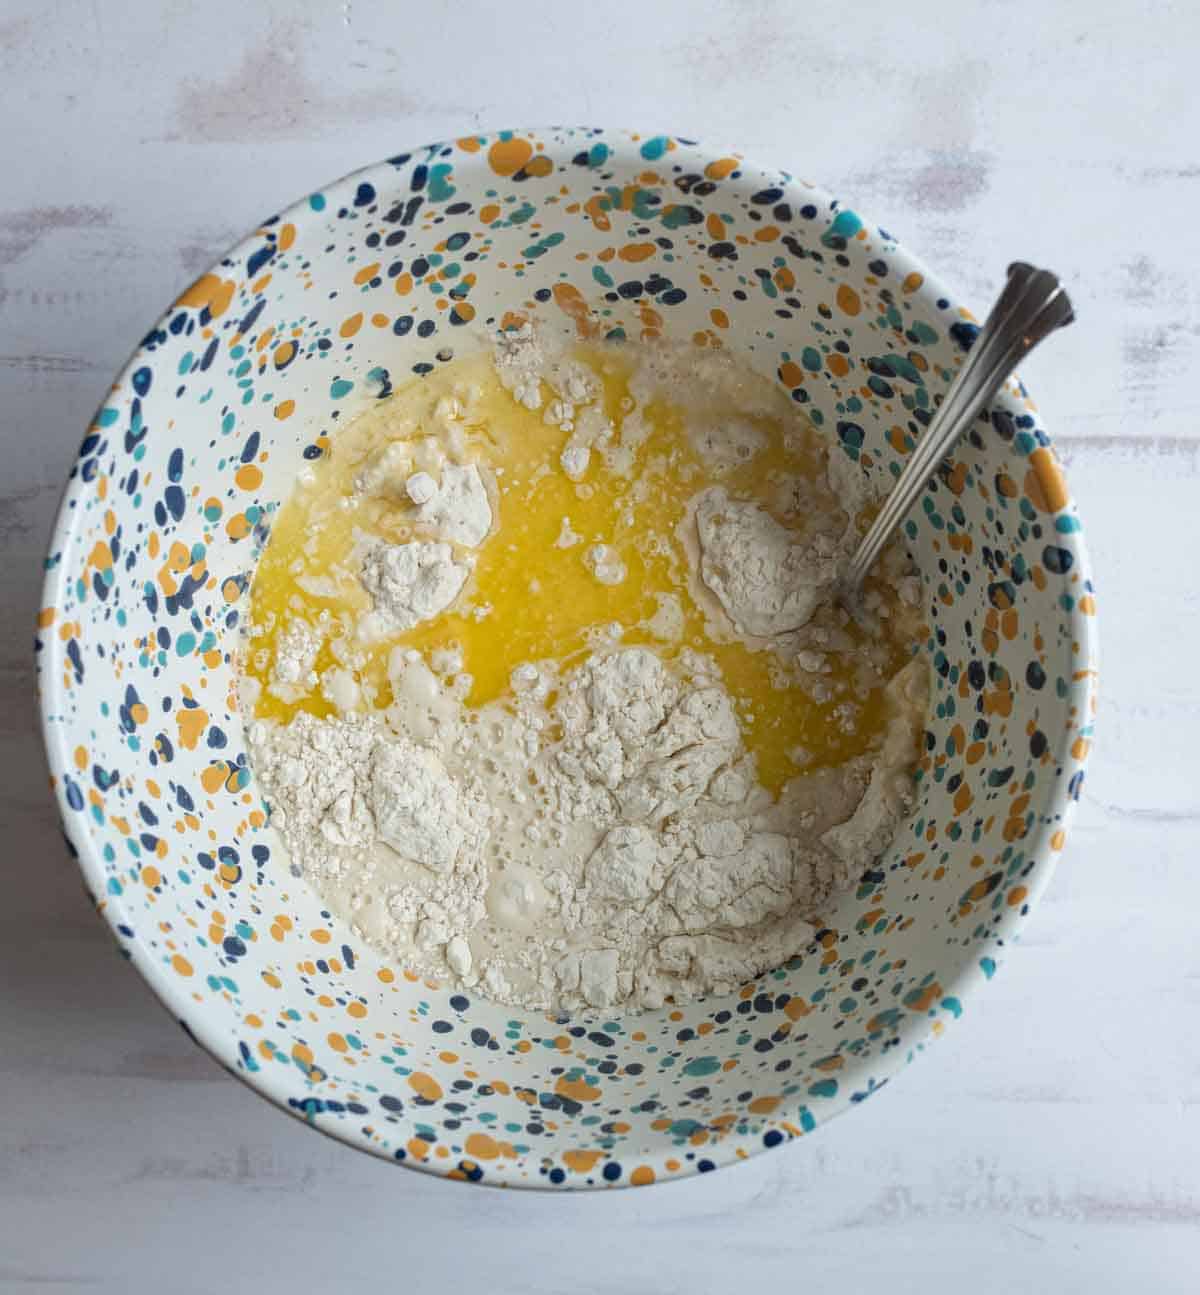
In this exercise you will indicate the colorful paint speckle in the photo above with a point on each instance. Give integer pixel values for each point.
(249, 375)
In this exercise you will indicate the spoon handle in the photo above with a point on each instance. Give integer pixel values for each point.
(1031, 306)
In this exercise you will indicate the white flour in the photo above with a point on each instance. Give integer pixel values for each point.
(600, 838)
(767, 581)
(408, 584)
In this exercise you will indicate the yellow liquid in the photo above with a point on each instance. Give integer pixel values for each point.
(544, 600)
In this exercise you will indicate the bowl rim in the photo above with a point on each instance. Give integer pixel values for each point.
(174, 998)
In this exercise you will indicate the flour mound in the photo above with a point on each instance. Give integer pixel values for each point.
(767, 581)
(415, 804)
(459, 509)
(408, 584)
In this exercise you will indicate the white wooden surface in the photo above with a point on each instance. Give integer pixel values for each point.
(1053, 1143)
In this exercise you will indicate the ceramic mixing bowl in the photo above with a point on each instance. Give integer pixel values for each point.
(324, 309)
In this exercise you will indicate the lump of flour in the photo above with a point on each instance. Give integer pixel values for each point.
(416, 806)
(458, 510)
(296, 652)
(408, 584)
(766, 579)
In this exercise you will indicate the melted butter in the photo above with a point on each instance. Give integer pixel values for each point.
(541, 600)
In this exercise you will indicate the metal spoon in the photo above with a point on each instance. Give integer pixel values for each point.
(1031, 306)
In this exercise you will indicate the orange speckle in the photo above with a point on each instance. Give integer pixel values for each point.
(637, 251)
(404, 284)
(213, 778)
(489, 212)
(791, 374)
(721, 167)
(1045, 484)
(481, 1146)
(210, 291)
(151, 876)
(352, 325)
(839, 366)
(579, 1161)
(719, 317)
(287, 236)
(764, 1105)
(46, 617)
(191, 721)
(848, 300)
(578, 1090)
(285, 409)
(571, 302)
(386, 975)
(1016, 896)
(766, 234)
(508, 156)
(425, 1086)
(249, 476)
(337, 1042)
(81, 757)
(283, 353)
(912, 281)
(715, 226)
(181, 965)
(356, 1009)
(642, 1176)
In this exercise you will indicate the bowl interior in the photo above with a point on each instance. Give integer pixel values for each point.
(324, 309)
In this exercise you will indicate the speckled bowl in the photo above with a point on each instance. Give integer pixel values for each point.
(383, 275)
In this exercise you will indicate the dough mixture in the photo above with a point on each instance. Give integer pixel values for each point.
(549, 694)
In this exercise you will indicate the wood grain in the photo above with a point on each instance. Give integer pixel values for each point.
(1053, 1143)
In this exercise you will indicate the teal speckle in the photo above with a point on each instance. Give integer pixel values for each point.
(698, 1067)
(602, 276)
(340, 387)
(317, 201)
(439, 186)
(824, 1088)
(988, 967)
(953, 1006)
(1067, 525)
(810, 357)
(542, 246)
(598, 155)
(106, 417)
(526, 211)
(654, 148)
(845, 225)
(185, 644)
